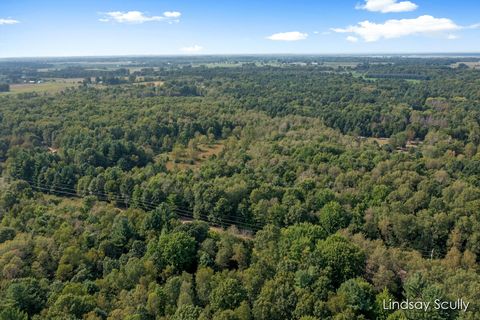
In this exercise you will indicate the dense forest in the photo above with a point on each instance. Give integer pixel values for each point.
(247, 188)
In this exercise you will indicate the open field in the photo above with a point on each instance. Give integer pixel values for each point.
(219, 64)
(45, 87)
(204, 152)
(385, 141)
(150, 83)
(471, 64)
(337, 64)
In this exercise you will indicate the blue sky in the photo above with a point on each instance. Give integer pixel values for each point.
(165, 27)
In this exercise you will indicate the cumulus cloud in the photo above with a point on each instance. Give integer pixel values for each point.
(8, 21)
(192, 49)
(386, 6)
(172, 14)
(352, 39)
(288, 36)
(136, 17)
(370, 31)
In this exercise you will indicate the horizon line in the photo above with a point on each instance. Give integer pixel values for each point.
(357, 54)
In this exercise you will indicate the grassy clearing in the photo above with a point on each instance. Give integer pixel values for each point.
(337, 64)
(385, 141)
(150, 83)
(138, 69)
(380, 141)
(470, 64)
(64, 202)
(219, 64)
(184, 162)
(53, 86)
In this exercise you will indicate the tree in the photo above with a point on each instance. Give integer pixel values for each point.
(176, 250)
(228, 294)
(186, 295)
(359, 295)
(398, 140)
(27, 294)
(187, 312)
(6, 233)
(340, 257)
(156, 302)
(203, 281)
(12, 314)
(333, 217)
(4, 87)
(379, 309)
(277, 299)
(298, 241)
(73, 304)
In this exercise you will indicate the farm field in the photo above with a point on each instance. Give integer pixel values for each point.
(53, 86)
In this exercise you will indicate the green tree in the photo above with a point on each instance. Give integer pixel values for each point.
(177, 250)
(13, 314)
(27, 294)
(358, 294)
(187, 312)
(342, 259)
(333, 217)
(228, 294)
(277, 298)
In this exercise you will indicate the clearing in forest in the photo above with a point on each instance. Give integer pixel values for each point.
(192, 158)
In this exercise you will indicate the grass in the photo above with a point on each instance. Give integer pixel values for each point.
(380, 141)
(54, 86)
(357, 74)
(337, 64)
(385, 141)
(150, 83)
(204, 152)
(219, 64)
(470, 64)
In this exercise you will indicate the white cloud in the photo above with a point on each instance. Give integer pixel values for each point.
(370, 31)
(139, 17)
(192, 49)
(172, 14)
(288, 36)
(323, 33)
(352, 39)
(8, 21)
(386, 6)
(452, 37)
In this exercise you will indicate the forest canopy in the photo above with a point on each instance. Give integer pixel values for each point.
(246, 188)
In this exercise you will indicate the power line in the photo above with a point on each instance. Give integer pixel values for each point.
(67, 190)
(150, 205)
(118, 197)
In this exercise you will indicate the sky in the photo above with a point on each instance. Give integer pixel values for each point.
(32, 28)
